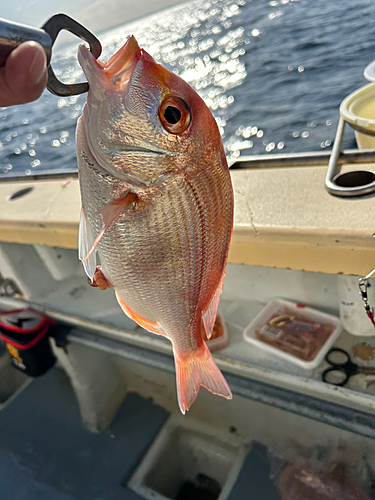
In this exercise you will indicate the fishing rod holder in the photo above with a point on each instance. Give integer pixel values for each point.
(355, 110)
(353, 182)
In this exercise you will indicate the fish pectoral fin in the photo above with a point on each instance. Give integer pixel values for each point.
(85, 242)
(108, 214)
(209, 316)
(196, 369)
(151, 326)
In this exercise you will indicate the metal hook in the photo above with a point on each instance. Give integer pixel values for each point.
(53, 27)
(363, 285)
(353, 183)
(13, 34)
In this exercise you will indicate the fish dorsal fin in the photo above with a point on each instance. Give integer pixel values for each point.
(209, 316)
(85, 242)
(151, 326)
(108, 214)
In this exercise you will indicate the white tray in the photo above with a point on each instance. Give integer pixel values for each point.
(307, 313)
(220, 342)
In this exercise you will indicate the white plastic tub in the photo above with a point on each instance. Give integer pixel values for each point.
(217, 343)
(358, 109)
(183, 450)
(277, 309)
(369, 72)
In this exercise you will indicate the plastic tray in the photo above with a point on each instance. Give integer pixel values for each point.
(301, 311)
(215, 344)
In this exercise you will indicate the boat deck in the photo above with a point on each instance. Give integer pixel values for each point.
(294, 237)
(47, 454)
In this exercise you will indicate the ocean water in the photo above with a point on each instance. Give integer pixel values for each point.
(272, 72)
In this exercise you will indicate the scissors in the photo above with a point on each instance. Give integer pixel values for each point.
(13, 34)
(342, 368)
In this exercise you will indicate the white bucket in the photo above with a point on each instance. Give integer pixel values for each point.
(358, 109)
(369, 72)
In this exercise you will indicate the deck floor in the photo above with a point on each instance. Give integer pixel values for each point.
(47, 454)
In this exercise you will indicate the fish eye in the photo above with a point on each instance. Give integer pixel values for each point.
(174, 115)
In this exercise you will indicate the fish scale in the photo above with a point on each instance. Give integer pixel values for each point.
(139, 271)
(134, 270)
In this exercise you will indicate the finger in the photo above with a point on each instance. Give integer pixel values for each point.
(24, 76)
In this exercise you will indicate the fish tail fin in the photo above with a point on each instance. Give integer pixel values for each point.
(196, 369)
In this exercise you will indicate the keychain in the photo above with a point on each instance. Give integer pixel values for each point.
(363, 285)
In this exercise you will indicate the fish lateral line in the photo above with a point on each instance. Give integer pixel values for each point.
(108, 214)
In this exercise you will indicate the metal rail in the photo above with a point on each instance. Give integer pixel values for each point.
(286, 160)
(352, 183)
(308, 159)
(40, 176)
(308, 406)
(157, 353)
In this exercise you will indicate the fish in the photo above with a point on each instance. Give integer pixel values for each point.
(157, 205)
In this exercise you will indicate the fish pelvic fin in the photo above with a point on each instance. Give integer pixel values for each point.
(196, 369)
(85, 241)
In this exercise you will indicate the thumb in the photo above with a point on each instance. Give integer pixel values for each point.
(24, 76)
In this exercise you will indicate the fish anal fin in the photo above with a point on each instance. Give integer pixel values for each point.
(85, 242)
(108, 214)
(151, 326)
(196, 369)
(209, 316)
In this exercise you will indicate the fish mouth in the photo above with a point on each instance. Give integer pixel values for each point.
(118, 70)
(120, 67)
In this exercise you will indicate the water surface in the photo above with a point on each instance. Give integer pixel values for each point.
(272, 72)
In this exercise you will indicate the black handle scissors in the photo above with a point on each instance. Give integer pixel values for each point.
(342, 368)
(13, 34)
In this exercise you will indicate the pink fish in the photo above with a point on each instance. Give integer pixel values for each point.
(157, 205)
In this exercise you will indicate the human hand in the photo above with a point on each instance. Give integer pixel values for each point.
(24, 76)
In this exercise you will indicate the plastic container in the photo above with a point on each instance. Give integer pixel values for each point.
(25, 334)
(297, 333)
(369, 72)
(219, 338)
(358, 109)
